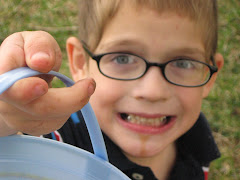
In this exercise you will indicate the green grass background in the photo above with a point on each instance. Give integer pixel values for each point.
(222, 107)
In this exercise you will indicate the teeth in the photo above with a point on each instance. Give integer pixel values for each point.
(145, 121)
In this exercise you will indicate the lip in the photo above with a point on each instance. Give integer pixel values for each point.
(144, 129)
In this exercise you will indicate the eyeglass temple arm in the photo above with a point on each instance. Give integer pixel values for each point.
(85, 47)
(215, 68)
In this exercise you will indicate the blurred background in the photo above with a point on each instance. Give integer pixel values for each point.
(222, 107)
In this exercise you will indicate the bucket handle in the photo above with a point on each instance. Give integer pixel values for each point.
(9, 78)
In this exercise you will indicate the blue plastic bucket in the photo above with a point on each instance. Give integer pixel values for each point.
(27, 157)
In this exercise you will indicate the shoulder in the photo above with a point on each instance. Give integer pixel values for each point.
(197, 149)
(199, 141)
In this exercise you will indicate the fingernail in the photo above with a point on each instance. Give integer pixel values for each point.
(91, 88)
(40, 55)
(39, 90)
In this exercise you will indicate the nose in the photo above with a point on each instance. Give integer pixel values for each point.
(152, 86)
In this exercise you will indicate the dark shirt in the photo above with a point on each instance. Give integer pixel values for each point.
(195, 150)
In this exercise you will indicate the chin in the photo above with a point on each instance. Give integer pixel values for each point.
(143, 149)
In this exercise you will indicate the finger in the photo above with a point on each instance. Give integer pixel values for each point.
(12, 53)
(25, 91)
(42, 51)
(38, 50)
(26, 123)
(62, 101)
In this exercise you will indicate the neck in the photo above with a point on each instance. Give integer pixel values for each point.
(161, 164)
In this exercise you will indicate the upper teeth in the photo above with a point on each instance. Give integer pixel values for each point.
(146, 121)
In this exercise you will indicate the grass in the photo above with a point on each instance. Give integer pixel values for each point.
(222, 107)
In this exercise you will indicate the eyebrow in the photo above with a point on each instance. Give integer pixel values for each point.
(121, 42)
(114, 44)
(190, 50)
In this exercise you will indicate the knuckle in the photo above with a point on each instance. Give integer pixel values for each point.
(38, 38)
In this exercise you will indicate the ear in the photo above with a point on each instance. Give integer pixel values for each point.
(76, 59)
(219, 63)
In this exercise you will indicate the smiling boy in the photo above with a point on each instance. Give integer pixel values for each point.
(153, 63)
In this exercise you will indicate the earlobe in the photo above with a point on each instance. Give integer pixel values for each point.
(219, 63)
(76, 58)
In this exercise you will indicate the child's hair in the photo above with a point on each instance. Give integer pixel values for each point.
(94, 15)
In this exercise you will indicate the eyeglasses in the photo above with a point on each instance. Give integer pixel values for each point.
(127, 66)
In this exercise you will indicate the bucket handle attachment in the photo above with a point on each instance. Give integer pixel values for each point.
(9, 78)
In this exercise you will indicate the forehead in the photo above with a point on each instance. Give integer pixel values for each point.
(146, 29)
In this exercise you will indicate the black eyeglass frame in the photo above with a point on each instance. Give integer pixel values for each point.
(213, 68)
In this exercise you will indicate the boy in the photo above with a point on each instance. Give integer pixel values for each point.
(153, 62)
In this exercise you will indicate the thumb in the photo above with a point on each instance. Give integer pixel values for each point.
(59, 102)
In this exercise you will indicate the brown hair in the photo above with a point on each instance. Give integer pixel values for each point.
(94, 15)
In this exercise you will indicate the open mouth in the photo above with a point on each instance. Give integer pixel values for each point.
(150, 122)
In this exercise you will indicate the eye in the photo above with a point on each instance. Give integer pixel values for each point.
(123, 59)
(184, 64)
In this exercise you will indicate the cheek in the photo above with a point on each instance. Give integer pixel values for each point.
(106, 97)
(107, 91)
(191, 102)
(107, 94)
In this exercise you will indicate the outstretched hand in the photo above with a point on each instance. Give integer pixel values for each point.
(30, 105)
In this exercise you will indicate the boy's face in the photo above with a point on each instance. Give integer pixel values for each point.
(146, 101)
